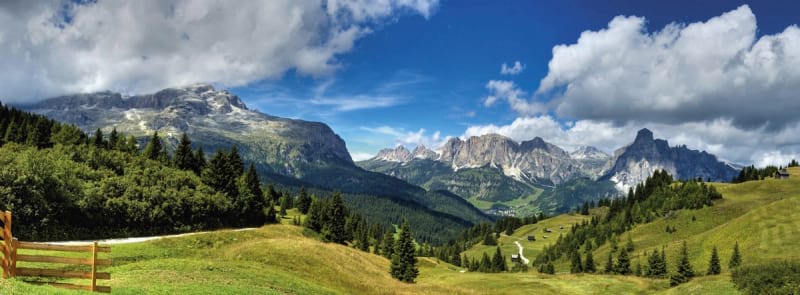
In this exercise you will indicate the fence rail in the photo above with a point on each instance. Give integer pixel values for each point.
(10, 259)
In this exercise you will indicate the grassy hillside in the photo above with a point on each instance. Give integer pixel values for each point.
(759, 215)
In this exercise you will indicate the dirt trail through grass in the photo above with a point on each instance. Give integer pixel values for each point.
(520, 253)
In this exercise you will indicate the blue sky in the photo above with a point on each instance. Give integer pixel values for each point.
(415, 73)
(713, 75)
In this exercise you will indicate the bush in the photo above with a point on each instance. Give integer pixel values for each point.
(772, 278)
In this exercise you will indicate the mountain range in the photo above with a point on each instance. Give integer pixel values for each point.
(497, 172)
(492, 172)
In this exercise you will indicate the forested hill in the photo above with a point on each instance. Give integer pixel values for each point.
(63, 184)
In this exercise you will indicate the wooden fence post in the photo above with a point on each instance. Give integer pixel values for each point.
(94, 266)
(7, 244)
(13, 267)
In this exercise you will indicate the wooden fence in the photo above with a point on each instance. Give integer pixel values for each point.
(10, 259)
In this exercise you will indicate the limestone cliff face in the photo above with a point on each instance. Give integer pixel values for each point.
(533, 161)
(590, 160)
(634, 163)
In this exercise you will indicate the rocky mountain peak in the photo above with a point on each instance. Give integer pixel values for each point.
(398, 154)
(421, 152)
(643, 136)
(589, 152)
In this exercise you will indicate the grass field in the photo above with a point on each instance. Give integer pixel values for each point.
(277, 259)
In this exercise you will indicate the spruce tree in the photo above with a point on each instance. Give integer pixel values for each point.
(333, 229)
(486, 263)
(609, 269)
(736, 258)
(387, 248)
(623, 266)
(489, 239)
(97, 139)
(132, 145)
(498, 261)
(404, 262)
(638, 270)
(256, 202)
(303, 201)
(550, 268)
(576, 265)
(113, 139)
(589, 263)
(270, 214)
(199, 161)
(629, 245)
(713, 266)
(184, 159)
(284, 205)
(153, 149)
(684, 272)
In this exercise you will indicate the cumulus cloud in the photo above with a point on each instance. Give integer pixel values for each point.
(512, 70)
(508, 91)
(59, 46)
(717, 69)
(411, 139)
(719, 137)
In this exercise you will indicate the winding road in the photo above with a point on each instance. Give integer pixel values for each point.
(520, 253)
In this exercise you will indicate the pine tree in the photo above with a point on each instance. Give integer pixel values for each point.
(199, 161)
(623, 266)
(153, 149)
(498, 261)
(315, 215)
(736, 258)
(387, 248)
(576, 265)
(489, 239)
(256, 201)
(270, 214)
(404, 263)
(184, 159)
(97, 139)
(713, 266)
(113, 139)
(235, 164)
(333, 229)
(550, 268)
(638, 270)
(609, 269)
(303, 201)
(132, 145)
(684, 272)
(486, 263)
(589, 263)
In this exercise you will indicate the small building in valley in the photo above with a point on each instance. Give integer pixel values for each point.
(782, 174)
(514, 258)
(531, 238)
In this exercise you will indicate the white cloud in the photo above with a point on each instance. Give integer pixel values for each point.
(356, 156)
(695, 72)
(358, 102)
(410, 139)
(509, 92)
(58, 46)
(512, 70)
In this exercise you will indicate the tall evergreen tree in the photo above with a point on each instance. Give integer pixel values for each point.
(333, 229)
(184, 159)
(132, 146)
(486, 263)
(498, 261)
(736, 258)
(589, 263)
(684, 272)
(199, 161)
(153, 149)
(113, 139)
(576, 265)
(623, 266)
(97, 139)
(404, 262)
(315, 215)
(270, 214)
(609, 269)
(629, 245)
(713, 265)
(235, 164)
(387, 248)
(284, 205)
(303, 201)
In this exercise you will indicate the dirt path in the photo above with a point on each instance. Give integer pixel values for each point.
(138, 239)
(520, 253)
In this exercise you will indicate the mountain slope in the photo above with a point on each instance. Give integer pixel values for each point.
(635, 162)
(289, 152)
